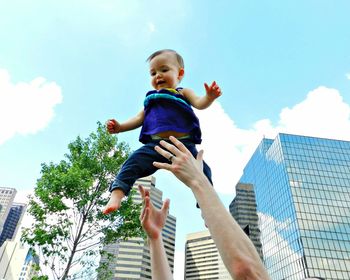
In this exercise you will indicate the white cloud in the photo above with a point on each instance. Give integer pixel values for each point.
(273, 253)
(26, 107)
(228, 148)
(322, 114)
(347, 76)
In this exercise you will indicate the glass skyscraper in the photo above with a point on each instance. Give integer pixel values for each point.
(302, 187)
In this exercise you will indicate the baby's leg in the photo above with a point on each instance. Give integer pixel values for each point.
(114, 201)
(138, 165)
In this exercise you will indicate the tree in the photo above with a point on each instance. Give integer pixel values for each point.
(69, 229)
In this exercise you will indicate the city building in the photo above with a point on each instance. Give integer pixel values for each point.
(243, 210)
(6, 199)
(12, 222)
(132, 257)
(17, 261)
(302, 188)
(202, 259)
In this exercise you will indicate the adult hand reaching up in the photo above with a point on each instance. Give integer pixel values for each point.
(236, 249)
(153, 220)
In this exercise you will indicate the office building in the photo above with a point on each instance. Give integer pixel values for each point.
(302, 187)
(6, 199)
(243, 210)
(12, 222)
(202, 259)
(17, 261)
(132, 257)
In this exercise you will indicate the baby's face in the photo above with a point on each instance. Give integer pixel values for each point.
(165, 71)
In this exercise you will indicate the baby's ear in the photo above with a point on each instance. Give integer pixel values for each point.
(181, 73)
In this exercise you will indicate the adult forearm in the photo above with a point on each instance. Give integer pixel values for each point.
(159, 261)
(237, 251)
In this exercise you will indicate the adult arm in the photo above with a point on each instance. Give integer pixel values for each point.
(236, 249)
(212, 92)
(114, 126)
(153, 221)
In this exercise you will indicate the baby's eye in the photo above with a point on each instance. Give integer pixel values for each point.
(165, 70)
(153, 73)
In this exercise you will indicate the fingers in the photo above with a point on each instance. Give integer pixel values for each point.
(179, 145)
(162, 165)
(112, 126)
(142, 191)
(165, 206)
(145, 216)
(145, 207)
(176, 148)
(213, 88)
(176, 151)
(200, 155)
(169, 147)
(163, 152)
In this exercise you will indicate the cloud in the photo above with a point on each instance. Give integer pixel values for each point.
(347, 76)
(273, 254)
(227, 148)
(322, 114)
(26, 107)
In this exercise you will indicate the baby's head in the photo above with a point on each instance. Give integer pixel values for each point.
(166, 69)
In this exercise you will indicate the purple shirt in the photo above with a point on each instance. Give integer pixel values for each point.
(165, 110)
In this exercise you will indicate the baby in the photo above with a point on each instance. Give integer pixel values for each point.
(167, 111)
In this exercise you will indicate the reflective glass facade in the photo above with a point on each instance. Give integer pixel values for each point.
(302, 187)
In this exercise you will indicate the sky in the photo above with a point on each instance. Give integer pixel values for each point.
(283, 66)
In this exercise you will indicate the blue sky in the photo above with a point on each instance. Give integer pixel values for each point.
(283, 66)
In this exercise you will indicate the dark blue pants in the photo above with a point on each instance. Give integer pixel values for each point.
(140, 164)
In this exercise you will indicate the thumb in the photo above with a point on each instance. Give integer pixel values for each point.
(200, 155)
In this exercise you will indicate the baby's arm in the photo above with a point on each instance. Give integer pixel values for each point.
(115, 127)
(202, 102)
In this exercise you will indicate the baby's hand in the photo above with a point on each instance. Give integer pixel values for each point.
(213, 91)
(113, 126)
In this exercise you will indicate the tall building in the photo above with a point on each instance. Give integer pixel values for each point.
(12, 222)
(17, 261)
(6, 199)
(243, 210)
(202, 259)
(132, 257)
(302, 187)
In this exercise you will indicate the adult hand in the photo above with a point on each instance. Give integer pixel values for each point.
(113, 126)
(152, 219)
(183, 165)
(213, 91)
